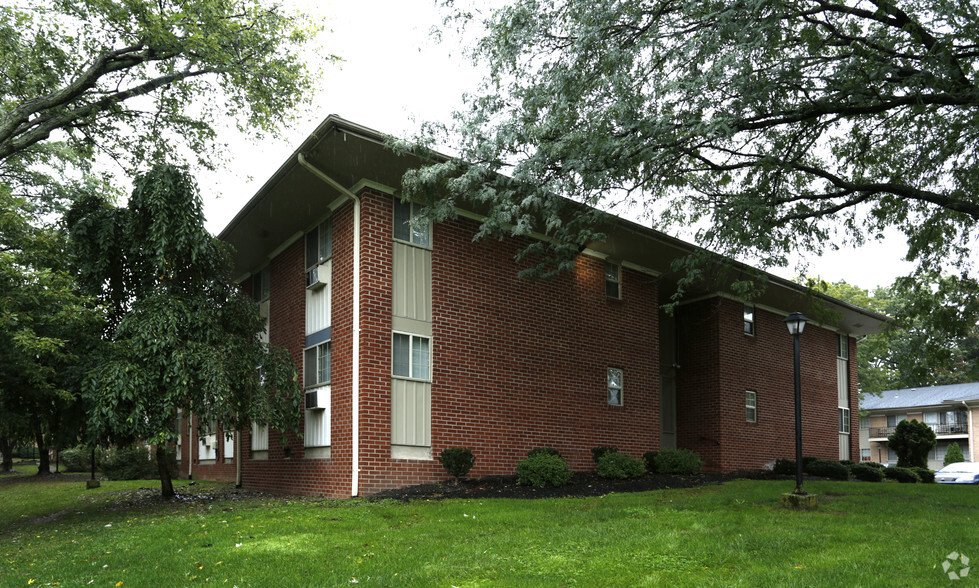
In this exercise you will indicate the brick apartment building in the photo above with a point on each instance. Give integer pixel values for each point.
(411, 339)
(952, 411)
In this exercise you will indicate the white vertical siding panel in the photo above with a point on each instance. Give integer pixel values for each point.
(317, 430)
(318, 303)
(412, 282)
(842, 382)
(411, 413)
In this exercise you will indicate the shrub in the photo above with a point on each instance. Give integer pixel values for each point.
(620, 466)
(912, 441)
(867, 473)
(806, 460)
(598, 452)
(847, 462)
(902, 475)
(678, 461)
(784, 467)
(874, 464)
(457, 461)
(953, 454)
(927, 476)
(827, 468)
(76, 459)
(544, 451)
(543, 470)
(649, 458)
(130, 463)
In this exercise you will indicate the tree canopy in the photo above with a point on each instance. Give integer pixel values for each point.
(181, 334)
(133, 79)
(770, 127)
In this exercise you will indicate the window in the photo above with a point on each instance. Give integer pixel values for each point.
(844, 420)
(614, 386)
(843, 347)
(613, 280)
(319, 244)
(316, 365)
(751, 406)
(865, 455)
(894, 419)
(865, 423)
(260, 437)
(411, 356)
(261, 286)
(749, 320)
(407, 229)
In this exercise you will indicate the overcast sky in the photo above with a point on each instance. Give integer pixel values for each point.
(394, 77)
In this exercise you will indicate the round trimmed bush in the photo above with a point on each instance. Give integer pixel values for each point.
(874, 464)
(620, 466)
(827, 468)
(927, 476)
(543, 470)
(678, 461)
(457, 461)
(77, 459)
(902, 475)
(544, 451)
(598, 452)
(867, 473)
(784, 467)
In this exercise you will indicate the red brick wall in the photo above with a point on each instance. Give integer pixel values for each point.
(516, 364)
(719, 363)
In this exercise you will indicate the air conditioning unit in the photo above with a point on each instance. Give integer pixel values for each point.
(316, 278)
(316, 400)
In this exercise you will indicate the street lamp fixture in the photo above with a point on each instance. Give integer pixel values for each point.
(796, 323)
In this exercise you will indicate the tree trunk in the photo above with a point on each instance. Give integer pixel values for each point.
(166, 484)
(7, 449)
(43, 462)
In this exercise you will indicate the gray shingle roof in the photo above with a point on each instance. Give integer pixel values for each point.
(910, 397)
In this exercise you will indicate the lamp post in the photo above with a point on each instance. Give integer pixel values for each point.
(796, 322)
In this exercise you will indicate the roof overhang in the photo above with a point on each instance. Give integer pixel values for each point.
(293, 200)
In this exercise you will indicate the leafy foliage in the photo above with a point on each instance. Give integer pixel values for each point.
(911, 441)
(902, 475)
(649, 459)
(774, 127)
(953, 454)
(457, 461)
(598, 452)
(543, 470)
(828, 468)
(926, 475)
(544, 451)
(678, 461)
(784, 467)
(867, 473)
(134, 463)
(181, 335)
(620, 466)
(933, 340)
(132, 78)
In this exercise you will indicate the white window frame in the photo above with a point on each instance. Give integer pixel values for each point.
(412, 375)
(751, 406)
(844, 417)
(749, 320)
(315, 373)
(843, 346)
(317, 232)
(615, 386)
(613, 280)
(262, 285)
(260, 437)
(417, 236)
(228, 445)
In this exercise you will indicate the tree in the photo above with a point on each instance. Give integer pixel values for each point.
(180, 334)
(953, 454)
(47, 330)
(132, 79)
(932, 339)
(912, 441)
(774, 126)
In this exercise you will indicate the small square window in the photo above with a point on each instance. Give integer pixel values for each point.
(613, 280)
(411, 356)
(316, 365)
(406, 228)
(614, 378)
(751, 406)
(749, 320)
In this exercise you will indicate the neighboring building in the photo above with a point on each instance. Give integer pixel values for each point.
(413, 338)
(950, 410)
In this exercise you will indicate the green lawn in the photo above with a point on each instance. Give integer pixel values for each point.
(735, 534)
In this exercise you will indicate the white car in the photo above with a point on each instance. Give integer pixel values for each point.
(963, 472)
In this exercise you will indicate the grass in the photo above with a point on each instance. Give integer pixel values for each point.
(731, 535)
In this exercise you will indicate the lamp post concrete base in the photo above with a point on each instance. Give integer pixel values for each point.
(799, 501)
